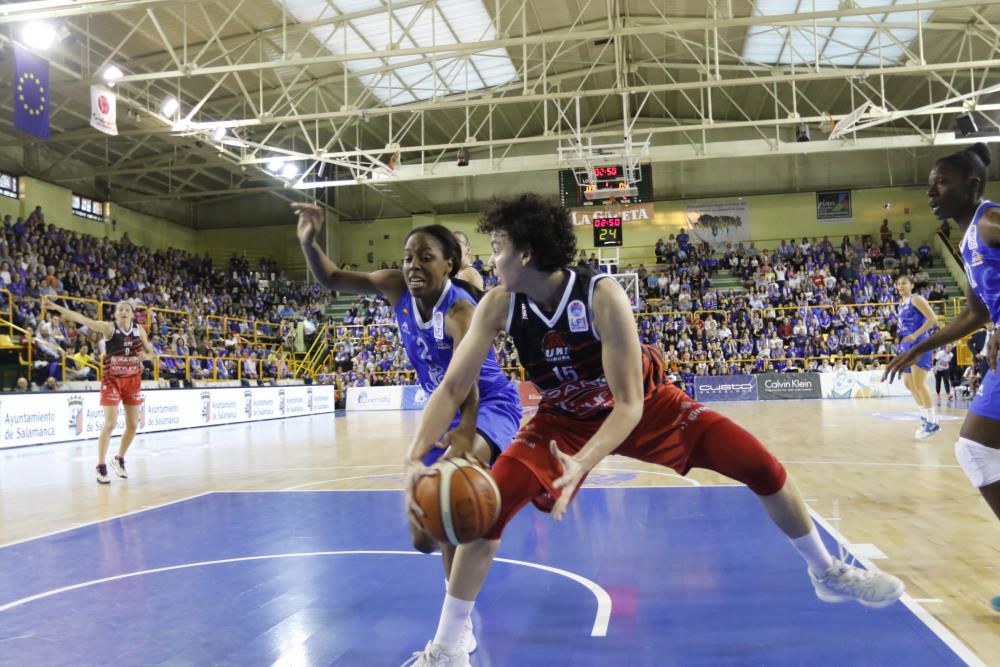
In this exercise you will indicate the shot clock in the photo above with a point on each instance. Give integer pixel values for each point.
(607, 231)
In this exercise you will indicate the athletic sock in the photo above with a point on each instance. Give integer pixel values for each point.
(812, 549)
(924, 414)
(454, 614)
(932, 415)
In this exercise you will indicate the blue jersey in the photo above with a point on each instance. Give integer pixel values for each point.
(430, 347)
(982, 264)
(982, 269)
(910, 318)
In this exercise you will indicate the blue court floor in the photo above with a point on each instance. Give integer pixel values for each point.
(637, 576)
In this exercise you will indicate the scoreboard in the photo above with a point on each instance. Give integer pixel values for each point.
(606, 177)
(607, 231)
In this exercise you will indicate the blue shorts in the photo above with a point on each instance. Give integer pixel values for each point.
(925, 361)
(987, 400)
(497, 420)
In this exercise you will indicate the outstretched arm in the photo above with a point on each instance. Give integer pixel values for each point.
(105, 328)
(460, 441)
(388, 282)
(622, 361)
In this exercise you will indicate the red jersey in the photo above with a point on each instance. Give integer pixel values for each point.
(562, 354)
(122, 350)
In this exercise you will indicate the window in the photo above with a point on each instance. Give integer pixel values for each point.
(851, 45)
(405, 79)
(85, 207)
(9, 185)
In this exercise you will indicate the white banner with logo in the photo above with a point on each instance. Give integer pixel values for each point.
(29, 419)
(103, 110)
(374, 398)
(719, 222)
(860, 384)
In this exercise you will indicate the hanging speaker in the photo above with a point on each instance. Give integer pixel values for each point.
(965, 125)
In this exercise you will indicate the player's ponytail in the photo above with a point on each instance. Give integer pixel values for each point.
(452, 251)
(971, 162)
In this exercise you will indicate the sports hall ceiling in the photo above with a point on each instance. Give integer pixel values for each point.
(335, 87)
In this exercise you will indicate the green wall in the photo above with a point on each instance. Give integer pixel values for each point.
(772, 218)
(56, 203)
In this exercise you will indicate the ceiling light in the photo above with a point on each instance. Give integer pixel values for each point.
(290, 171)
(275, 165)
(169, 106)
(112, 73)
(38, 35)
(219, 134)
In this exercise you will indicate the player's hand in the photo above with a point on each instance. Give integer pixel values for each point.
(573, 474)
(992, 348)
(461, 445)
(49, 303)
(310, 222)
(899, 364)
(414, 469)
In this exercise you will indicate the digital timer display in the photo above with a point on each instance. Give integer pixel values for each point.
(607, 222)
(607, 231)
(608, 177)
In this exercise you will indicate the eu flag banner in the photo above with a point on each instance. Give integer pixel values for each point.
(31, 93)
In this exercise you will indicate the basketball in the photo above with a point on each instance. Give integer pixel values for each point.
(460, 503)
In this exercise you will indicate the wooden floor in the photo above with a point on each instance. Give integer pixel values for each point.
(853, 463)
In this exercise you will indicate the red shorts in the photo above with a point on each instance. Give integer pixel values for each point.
(675, 431)
(127, 390)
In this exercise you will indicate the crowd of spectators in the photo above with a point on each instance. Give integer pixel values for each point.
(806, 305)
(233, 318)
(810, 305)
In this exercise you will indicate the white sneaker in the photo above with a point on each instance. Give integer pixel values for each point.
(845, 582)
(928, 430)
(434, 656)
(102, 474)
(468, 641)
(118, 465)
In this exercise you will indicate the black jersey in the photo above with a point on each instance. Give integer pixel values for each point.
(121, 352)
(561, 352)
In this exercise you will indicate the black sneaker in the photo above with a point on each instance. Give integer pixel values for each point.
(102, 474)
(118, 465)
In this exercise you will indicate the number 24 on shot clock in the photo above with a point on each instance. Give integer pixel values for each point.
(607, 231)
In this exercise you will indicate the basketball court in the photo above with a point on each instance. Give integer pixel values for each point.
(286, 545)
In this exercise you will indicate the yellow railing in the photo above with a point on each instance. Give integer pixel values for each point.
(314, 355)
(8, 312)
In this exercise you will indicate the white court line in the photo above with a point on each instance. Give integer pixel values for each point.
(300, 487)
(110, 518)
(932, 623)
(874, 463)
(671, 475)
(601, 618)
(220, 473)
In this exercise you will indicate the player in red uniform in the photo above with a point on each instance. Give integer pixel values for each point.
(126, 345)
(602, 393)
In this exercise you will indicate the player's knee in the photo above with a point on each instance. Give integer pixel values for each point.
(980, 463)
(766, 476)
